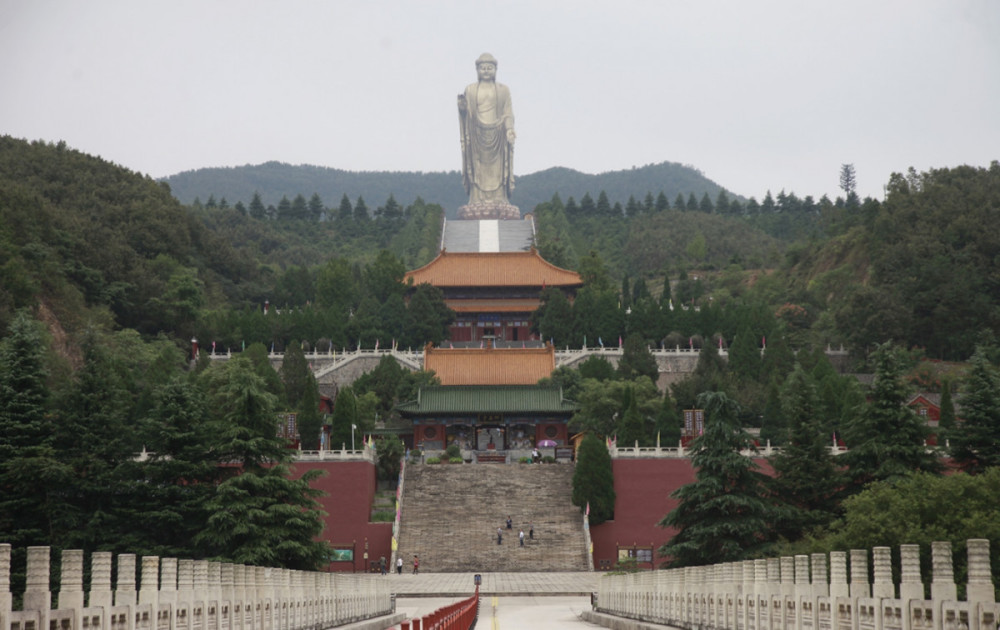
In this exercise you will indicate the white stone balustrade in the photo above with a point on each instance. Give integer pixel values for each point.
(184, 595)
(783, 594)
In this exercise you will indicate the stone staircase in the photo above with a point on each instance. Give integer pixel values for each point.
(450, 514)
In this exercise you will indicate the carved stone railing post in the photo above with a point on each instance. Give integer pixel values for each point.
(185, 581)
(910, 585)
(168, 581)
(36, 592)
(149, 581)
(980, 583)
(125, 584)
(860, 586)
(71, 582)
(838, 574)
(6, 599)
(820, 580)
(883, 587)
(101, 595)
(942, 572)
(787, 576)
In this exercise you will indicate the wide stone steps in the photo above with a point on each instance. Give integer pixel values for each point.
(450, 514)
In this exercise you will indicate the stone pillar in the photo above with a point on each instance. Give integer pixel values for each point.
(71, 583)
(980, 587)
(168, 581)
(820, 580)
(226, 574)
(36, 588)
(883, 588)
(787, 576)
(201, 583)
(149, 584)
(860, 586)
(910, 584)
(6, 600)
(942, 572)
(838, 574)
(101, 595)
(125, 585)
(185, 584)
(214, 591)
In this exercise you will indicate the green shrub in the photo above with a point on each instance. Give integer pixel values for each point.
(383, 516)
(453, 451)
(456, 460)
(525, 460)
(548, 459)
(433, 460)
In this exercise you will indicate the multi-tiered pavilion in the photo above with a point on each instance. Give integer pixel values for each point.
(489, 401)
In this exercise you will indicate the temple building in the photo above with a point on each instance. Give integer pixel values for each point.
(489, 401)
(492, 278)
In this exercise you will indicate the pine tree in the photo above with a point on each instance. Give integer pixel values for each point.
(631, 429)
(725, 514)
(310, 421)
(257, 209)
(345, 212)
(885, 439)
(295, 375)
(31, 477)
(593, 480)
(806, 478)
(946, 421)
(636, 359)
(975, 442)
(260, 515)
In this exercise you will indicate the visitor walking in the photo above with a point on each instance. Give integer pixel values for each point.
(499, 536)
(399, 565)
(520, 537)
(416, 564)
(531, 531)
(510, 523)
(381, 564)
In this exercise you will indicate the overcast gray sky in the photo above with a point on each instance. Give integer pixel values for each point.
(758, 95)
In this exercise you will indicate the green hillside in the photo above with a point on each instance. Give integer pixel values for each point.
(274, 180)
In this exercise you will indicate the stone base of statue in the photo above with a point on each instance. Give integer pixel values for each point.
(489, 210)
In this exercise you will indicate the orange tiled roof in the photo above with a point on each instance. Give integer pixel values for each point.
(490, 366)
(493, 269)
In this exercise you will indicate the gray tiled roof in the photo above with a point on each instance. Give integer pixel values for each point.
(488, 236)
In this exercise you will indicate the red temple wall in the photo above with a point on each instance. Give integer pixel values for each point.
(642, 498)
(349, 489)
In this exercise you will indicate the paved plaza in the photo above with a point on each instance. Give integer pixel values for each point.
(503, 584)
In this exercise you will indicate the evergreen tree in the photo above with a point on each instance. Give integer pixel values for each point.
(725, 514)
(705, 205)
(946, 421)
(553, 319)
(345, 212)
(258, 516)
(345, 415)
(593, 480)
(637, 360)
(632, 207)
(631, 426)
(257, 209)
(885, 439)
(744, 355)
(31, 477)
(587, 206)
(315, 211)
(773, 427)
(361, 211)
(662, 205)
(603, 208)
(309, 419)
(975, 442)
(284, 211)
(430, 317)
(295, 375)
(300, 208)
(648, 203)
(806, 478)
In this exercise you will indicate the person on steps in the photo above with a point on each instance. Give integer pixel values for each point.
(499, 536)
(520, 537)
(416, 565)
(399, 565)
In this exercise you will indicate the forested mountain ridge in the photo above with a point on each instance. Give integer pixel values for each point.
(274, 180)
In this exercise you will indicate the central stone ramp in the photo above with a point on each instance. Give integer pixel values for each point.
(450, 514)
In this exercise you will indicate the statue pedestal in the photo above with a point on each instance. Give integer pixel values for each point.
(493, 210)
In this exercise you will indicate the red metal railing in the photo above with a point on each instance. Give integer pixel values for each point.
(458, 616)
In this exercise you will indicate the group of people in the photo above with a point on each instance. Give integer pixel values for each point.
(520, 534)
(399, 565)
